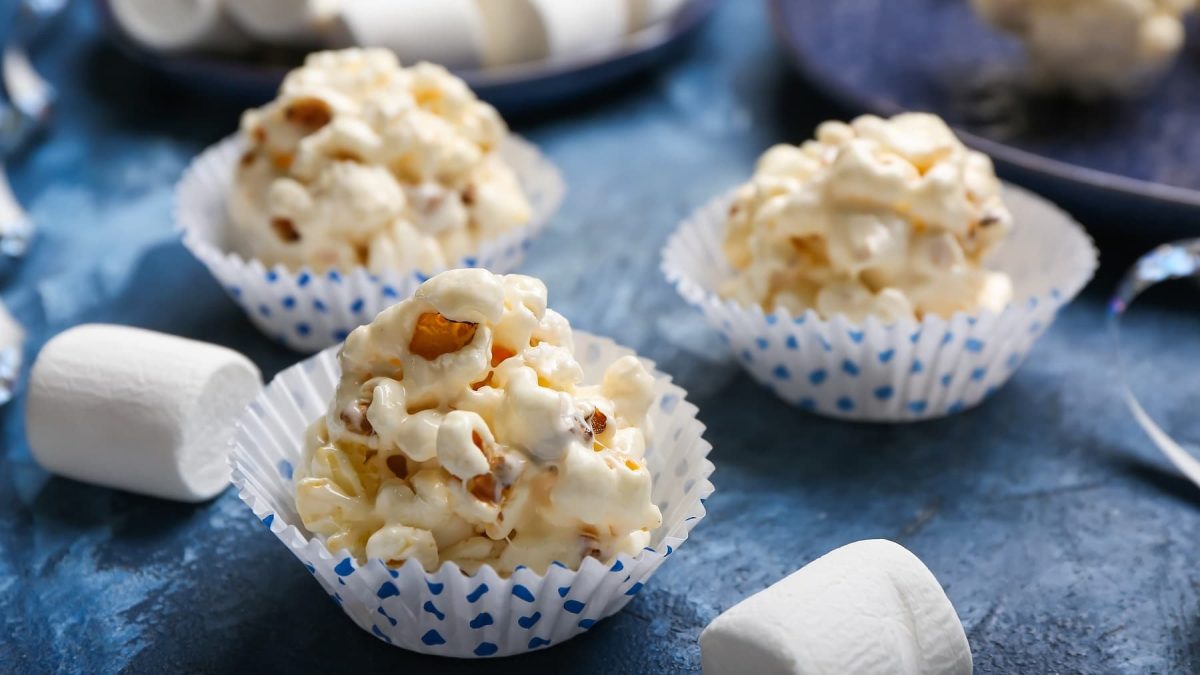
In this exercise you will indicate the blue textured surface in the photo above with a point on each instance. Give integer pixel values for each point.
(1063, 541)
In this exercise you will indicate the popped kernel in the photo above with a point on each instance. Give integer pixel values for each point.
(483, 487)
(354, 185)
(598, 422)
(355, 418)
(507, 473)
(398, 465)
(435, 335)
(308, 113)
(501, 354)
(843, 224)
(285, 229)
(282, 160)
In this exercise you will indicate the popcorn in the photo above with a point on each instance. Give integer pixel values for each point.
(1094, 46)
(461, 431)
(886, 218)
(361, 162)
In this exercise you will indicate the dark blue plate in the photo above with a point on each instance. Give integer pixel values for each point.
(1138, 157)
(512, 89)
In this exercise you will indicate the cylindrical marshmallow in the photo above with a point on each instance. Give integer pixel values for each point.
(449, 32)
(643, 13)
(582, 27)
(513, 32)
(179, 25)
(519, 31)
(137, 410)
(866, 608)
(304, 23)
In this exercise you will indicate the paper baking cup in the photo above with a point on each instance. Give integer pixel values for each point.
(911, 370)
(448, 612)
(308, 311)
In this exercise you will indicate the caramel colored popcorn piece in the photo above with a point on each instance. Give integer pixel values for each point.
(435, 335)
(285, 229)
(309, 113)
(501, 354)
(398, 466)
(483, 487)
(599, 422)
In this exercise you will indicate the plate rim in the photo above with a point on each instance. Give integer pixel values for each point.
(688, 17)
(1013, 156)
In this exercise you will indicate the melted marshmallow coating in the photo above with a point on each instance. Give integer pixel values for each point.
(461, 431)
(886, 218)
(361, 162)
(1095, 47)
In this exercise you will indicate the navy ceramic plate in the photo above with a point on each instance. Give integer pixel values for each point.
(512, 89)
(1139, 157)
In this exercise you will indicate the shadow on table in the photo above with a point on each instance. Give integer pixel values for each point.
(105, 76)
(1160, 479)
(170, 291)
(261, 632)
(789, 449)
(74, 505)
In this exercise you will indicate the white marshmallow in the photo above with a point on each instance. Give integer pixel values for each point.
(582, 27)
(292, 22)
(141, 411)
(513, 32)
(449, 32)
(643, 13)
(179, 25)
(518, 31)
(868, 607)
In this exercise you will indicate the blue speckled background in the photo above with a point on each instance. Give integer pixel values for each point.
(1062, 538)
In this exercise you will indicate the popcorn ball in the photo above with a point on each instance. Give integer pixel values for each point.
(887, 218)
(461, 431)
(359, 162)
(1094, 47)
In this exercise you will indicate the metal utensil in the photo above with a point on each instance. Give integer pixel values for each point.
(25, 103)
(1175, 260)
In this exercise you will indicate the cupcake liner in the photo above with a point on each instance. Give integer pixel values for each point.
(308, 311)
(448, 612)
(907, 371)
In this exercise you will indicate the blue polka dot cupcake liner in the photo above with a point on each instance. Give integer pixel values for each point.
(448, 612)
(308, 311)
(901, 372)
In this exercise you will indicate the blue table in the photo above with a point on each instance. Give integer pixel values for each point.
(1063, 540)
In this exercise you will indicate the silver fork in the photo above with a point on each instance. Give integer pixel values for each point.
(29, 100)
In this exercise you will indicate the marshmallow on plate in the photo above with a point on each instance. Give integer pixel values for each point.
(448, 32)
(644, 13)
(530, 30)
(292, 22)
(513, 33)
(582, 27)
(178, 25)
(137, 410)
(865, 608)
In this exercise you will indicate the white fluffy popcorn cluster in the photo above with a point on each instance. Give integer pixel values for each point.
(361, 162)
(461, 431)
(885, 218)
(1094, 46)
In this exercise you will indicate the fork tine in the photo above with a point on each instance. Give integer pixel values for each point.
(29, 92)
(16, 227)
